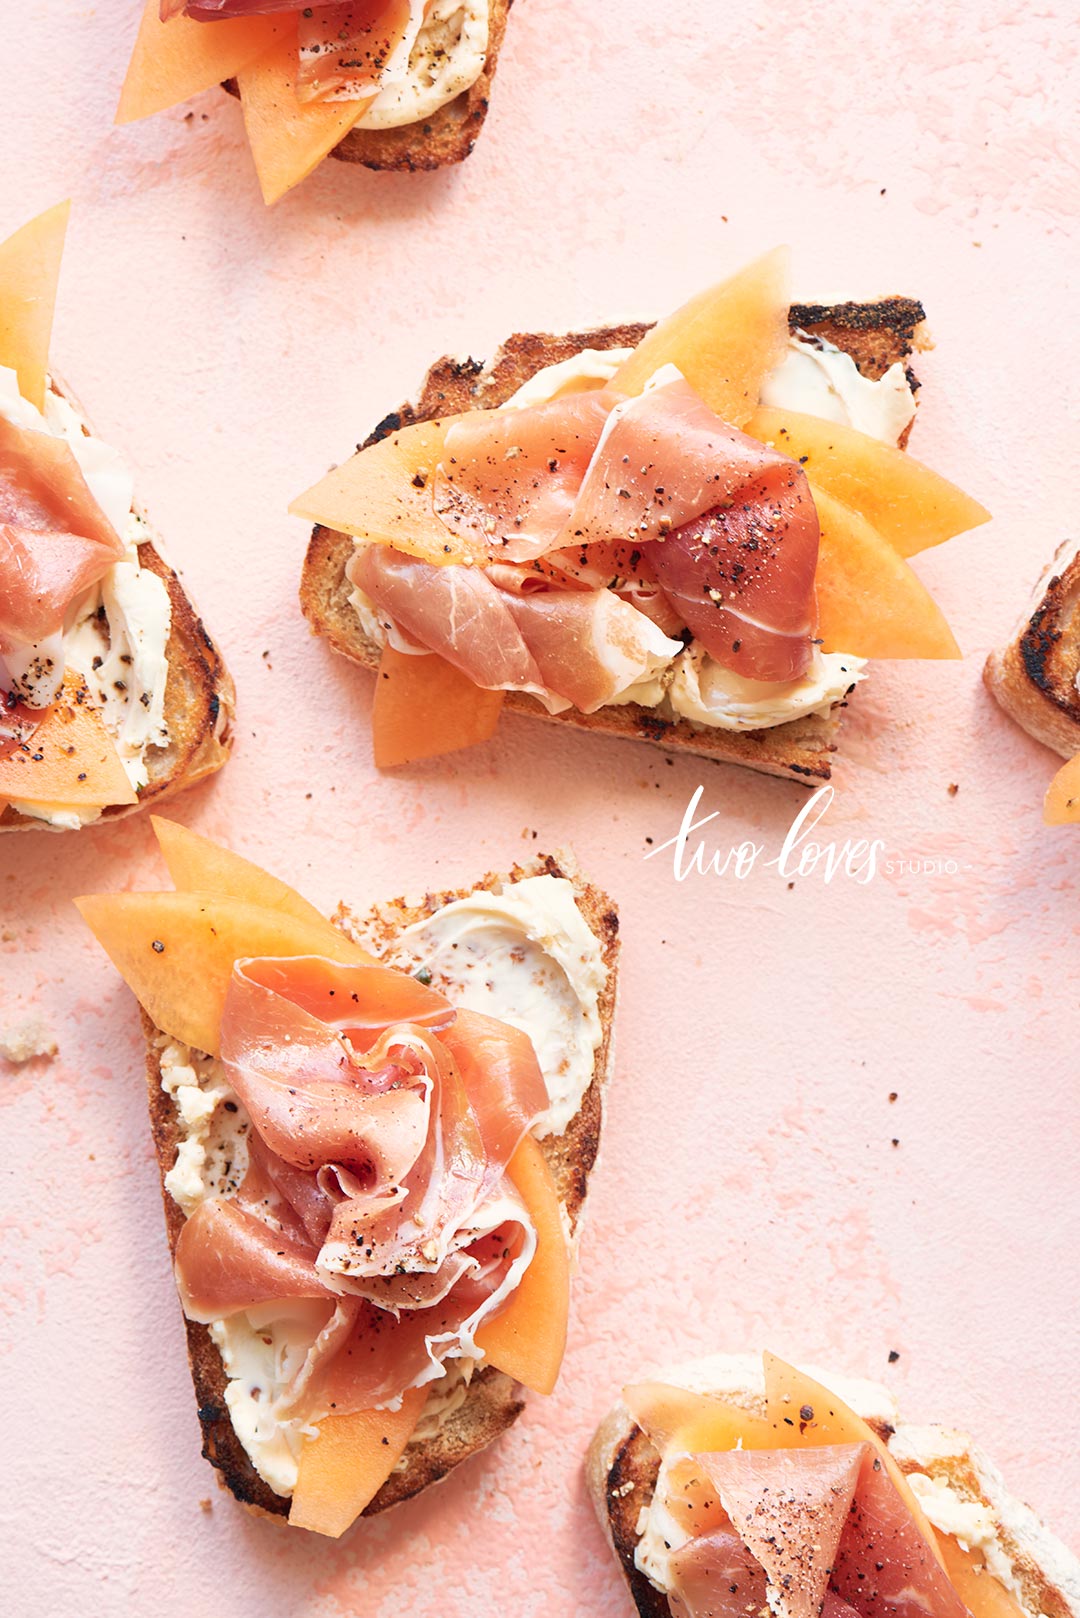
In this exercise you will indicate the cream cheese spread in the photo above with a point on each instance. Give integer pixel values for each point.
(440, 55)
(120, 631)
(526, 955)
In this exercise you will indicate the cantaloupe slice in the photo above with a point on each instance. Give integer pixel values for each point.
(790, 1393)
(70, 761)
(528, 1339)
(198, 865)
(177, 59)
(725, 341)
(383, 495)
(910, 506)
(176, 951)
(29, 272)
(288, 138)
(678, 1420)
(342, 1470)
(1061, 806)
(424, 706)
(869, 602)
(981, 1593)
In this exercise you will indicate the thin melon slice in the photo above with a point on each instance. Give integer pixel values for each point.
(528, 1339)
(1061, 806)
(790, 1393)
(425, 707)
(869, 602)
(384, 495)
(69, 762)
(910, 506)
(725, 341)
(981, 1593)
(198, 865)
(288, 138)
(677, 1420)
(176, 951)
(29, 272)
(175, 60)
(342, 1470)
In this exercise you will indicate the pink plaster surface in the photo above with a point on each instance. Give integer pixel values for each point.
(757, 1185)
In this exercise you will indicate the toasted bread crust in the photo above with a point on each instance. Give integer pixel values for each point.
(622, 1467)
(493, 1401)
(448, 136)
(1034, 677)
(200, 699)
(875, 335)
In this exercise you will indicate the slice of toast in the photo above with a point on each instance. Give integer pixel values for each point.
(622, 1467)
(1034, 677)
(493, 1401)
(448, 136)
(200, 699)
(876, 336)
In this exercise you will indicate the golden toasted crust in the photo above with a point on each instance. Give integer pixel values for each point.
(1034, 677)
(493, 1401)
(200, 699)
(622, 1467)
(448, 136)
(875, 335)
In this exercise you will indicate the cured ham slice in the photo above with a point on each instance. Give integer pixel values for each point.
(212, 10)
(563, 646)
(354, 47)
(509, 480)
(376, 1181)
(55, 540)
(884, 1566)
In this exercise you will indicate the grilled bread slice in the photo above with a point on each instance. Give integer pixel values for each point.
(876, 335)
(200, 699)
(1034, 678)
(493, 1401)
(622, 1467)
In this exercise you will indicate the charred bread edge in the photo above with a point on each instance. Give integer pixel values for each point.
(200, 699)
(448, 136)
(493, 1401)
(1034, 677)
(622, 1465)
(876, 335)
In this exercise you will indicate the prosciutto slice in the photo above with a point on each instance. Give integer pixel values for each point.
(564, 646)
(382, 1123)
(55, 543)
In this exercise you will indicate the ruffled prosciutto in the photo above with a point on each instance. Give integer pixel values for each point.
(55, 543)
(382, 1123)
(564, 646)
(804, 1531)
(719, 531)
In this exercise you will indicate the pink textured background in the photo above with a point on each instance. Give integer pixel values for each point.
(747, 1192)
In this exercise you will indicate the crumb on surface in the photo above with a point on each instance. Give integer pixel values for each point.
(24, 1041)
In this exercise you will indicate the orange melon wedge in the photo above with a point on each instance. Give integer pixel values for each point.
(424, 707)
(176, 951)
(869, 602)
(528, 1339)
(342, 1470)
(910, 506)
(175, 60)
(29, 272)
(198, 865)
(288, 138)
(1061, 806)
(69, 762)
(982, 1594)
(383, 495)
(725, 341)
(790, 1392)
(677, 1420)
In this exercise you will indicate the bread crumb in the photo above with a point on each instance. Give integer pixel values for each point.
(26, 1040)
(207, 1506)
(954, 788)
(623, 1489)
